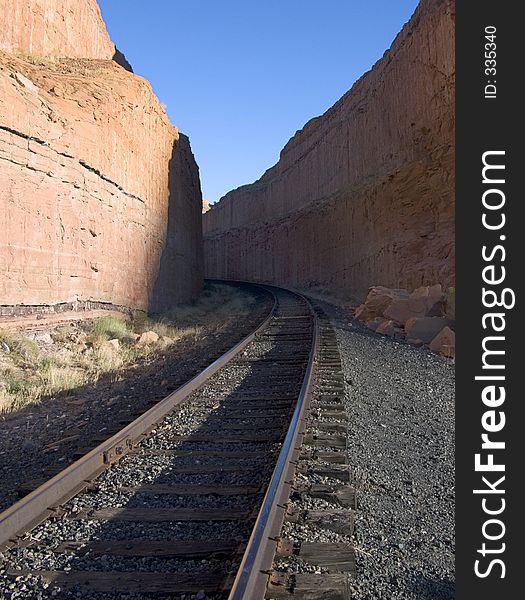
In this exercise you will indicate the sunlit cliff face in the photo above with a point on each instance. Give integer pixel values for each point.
(95, 184)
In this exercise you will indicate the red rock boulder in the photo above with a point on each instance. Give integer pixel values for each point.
(426, 301)
(379, 298)
(386, 328)
(444, 343)
(425, 328)
(416, 343)
(374, 323)
(147, 338)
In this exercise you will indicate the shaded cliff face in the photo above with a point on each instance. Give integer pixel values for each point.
(99, 194)
(181, 269)
(364, 193)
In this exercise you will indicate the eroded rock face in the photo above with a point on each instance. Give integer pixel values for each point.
(100, 195)
(51, 28)
(363, 194)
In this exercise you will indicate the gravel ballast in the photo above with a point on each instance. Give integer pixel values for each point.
(400, 404)
(399, 401)
(204, 415)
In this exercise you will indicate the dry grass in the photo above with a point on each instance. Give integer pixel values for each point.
(27, 373)
(30, 372)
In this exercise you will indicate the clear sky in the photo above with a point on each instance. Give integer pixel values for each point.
(239, 77)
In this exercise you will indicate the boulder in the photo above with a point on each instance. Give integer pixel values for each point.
(415, 342)
(444, 343)
(386, 328)
(379, 298)
(399, 333)
(403, 309)
(166, 340)
(426, 301)
(374, 324)
(147, 338)
(425, 328)
(432, 298)
(113, 344)
(44, 338)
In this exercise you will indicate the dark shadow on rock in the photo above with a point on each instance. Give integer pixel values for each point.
(121, 60)
(181, 270)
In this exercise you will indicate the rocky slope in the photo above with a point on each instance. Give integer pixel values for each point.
(364, 193)
(100, 194)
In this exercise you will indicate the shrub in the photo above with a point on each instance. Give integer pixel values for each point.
(111, 328)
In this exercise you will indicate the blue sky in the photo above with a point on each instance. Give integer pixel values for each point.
(241, 76)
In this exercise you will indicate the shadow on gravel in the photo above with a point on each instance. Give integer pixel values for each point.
(427, 588)
(42, 439)
(221, 452)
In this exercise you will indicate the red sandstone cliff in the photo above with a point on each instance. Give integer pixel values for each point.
(364, 193)
(70, 28)
(100, 195)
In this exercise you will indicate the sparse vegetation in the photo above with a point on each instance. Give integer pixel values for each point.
(81, 353)
(111, 327)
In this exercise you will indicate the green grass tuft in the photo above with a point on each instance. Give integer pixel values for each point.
(111, 328)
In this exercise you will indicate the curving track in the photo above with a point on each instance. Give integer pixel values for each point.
(190, 497)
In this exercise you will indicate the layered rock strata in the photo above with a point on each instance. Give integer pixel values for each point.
(54, 28)
(100, 195)
(363, 194)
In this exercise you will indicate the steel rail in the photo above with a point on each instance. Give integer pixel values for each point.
(252, 577)
(43, 502)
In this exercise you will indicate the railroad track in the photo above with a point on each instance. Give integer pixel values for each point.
(189, 499)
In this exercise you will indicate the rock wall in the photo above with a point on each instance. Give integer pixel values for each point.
(70, 28)
(100, 197)
(363, 194)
